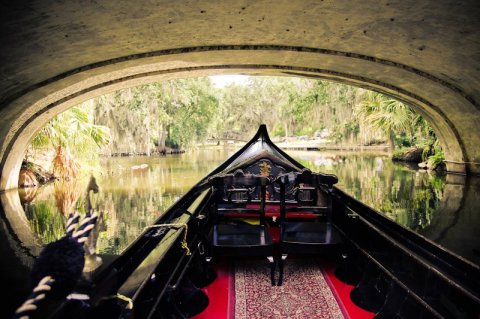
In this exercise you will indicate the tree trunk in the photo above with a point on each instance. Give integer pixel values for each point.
(161, 139)
(391, 141)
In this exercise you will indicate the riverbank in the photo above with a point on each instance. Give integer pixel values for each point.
(312, 145)
(332, 147)
(166, 151)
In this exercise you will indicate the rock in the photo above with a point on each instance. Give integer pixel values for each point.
(32, 174)
(441, 168)
(423, 165)
(141, 166)
(27, 178)
(410, 155)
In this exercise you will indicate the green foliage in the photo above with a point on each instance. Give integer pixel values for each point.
(398, 153)
(436, 160)
(398, 122)
(73, 128)
(183, 112)
(46, 221)
(278, 130)
(243, 108)
(172, 143)
(73, 135)
(192, 117)
(403, 140)
(385, 114)
(352, 128)
(184, 109)
(306, 130)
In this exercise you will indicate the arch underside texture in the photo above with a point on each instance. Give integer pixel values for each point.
(56, 55)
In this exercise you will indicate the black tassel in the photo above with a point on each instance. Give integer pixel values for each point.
(63, 260)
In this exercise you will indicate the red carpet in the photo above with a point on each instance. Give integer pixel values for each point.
(304, 294)
(221, 295)
(342, 293)
(307, 285)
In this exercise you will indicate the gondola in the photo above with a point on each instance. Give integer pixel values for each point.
(263, 207)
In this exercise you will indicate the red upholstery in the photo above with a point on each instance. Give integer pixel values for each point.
(271, 211)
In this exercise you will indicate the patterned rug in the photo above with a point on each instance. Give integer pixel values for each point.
(304, 293)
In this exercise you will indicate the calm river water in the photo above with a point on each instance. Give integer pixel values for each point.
(137, 190)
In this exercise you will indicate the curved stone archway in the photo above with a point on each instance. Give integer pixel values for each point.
(424, 54)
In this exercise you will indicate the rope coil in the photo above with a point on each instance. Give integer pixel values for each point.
(38, 294)
(78, 232)
(184, 240)
(83, 231)
(71, 223)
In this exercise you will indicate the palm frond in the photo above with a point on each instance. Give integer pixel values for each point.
(64, 165)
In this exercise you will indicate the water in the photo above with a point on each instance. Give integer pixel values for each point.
(406, 195)
(136, 191)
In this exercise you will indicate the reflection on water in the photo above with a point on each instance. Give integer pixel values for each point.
(409, 197)
(136, 191)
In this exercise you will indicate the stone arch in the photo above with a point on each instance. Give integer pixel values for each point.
(409, 52)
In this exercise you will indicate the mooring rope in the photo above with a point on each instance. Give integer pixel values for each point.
(127, 299)
(183, 244)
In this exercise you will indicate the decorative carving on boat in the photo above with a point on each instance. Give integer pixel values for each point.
(265, 168)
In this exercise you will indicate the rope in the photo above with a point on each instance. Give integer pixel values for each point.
(71, 223)
(83, 230)
(86, 226)
(80, 234)
(125, 298)
(184, 246)
(38, 294)
(184, 240)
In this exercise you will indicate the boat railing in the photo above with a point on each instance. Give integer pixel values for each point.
(155, 240)
(413, 264)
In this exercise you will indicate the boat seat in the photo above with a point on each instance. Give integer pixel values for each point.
(227, 235)
(310, 193)
(232, 236)
(310, 233)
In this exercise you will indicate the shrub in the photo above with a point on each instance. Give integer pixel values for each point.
(436, 160)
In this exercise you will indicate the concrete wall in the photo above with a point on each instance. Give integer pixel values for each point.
(55, 54)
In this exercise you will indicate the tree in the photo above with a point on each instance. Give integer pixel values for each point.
(72, 129)
(194, 112)
(171, 113)
(243, 108)
(385, 114)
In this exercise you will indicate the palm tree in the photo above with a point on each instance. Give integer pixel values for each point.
(72, 129)
(385, 114)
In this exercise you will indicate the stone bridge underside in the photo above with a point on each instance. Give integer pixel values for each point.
(55, 54)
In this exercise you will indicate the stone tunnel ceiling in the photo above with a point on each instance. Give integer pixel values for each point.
(56, 54)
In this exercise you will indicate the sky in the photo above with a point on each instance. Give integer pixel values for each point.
(222, 80)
